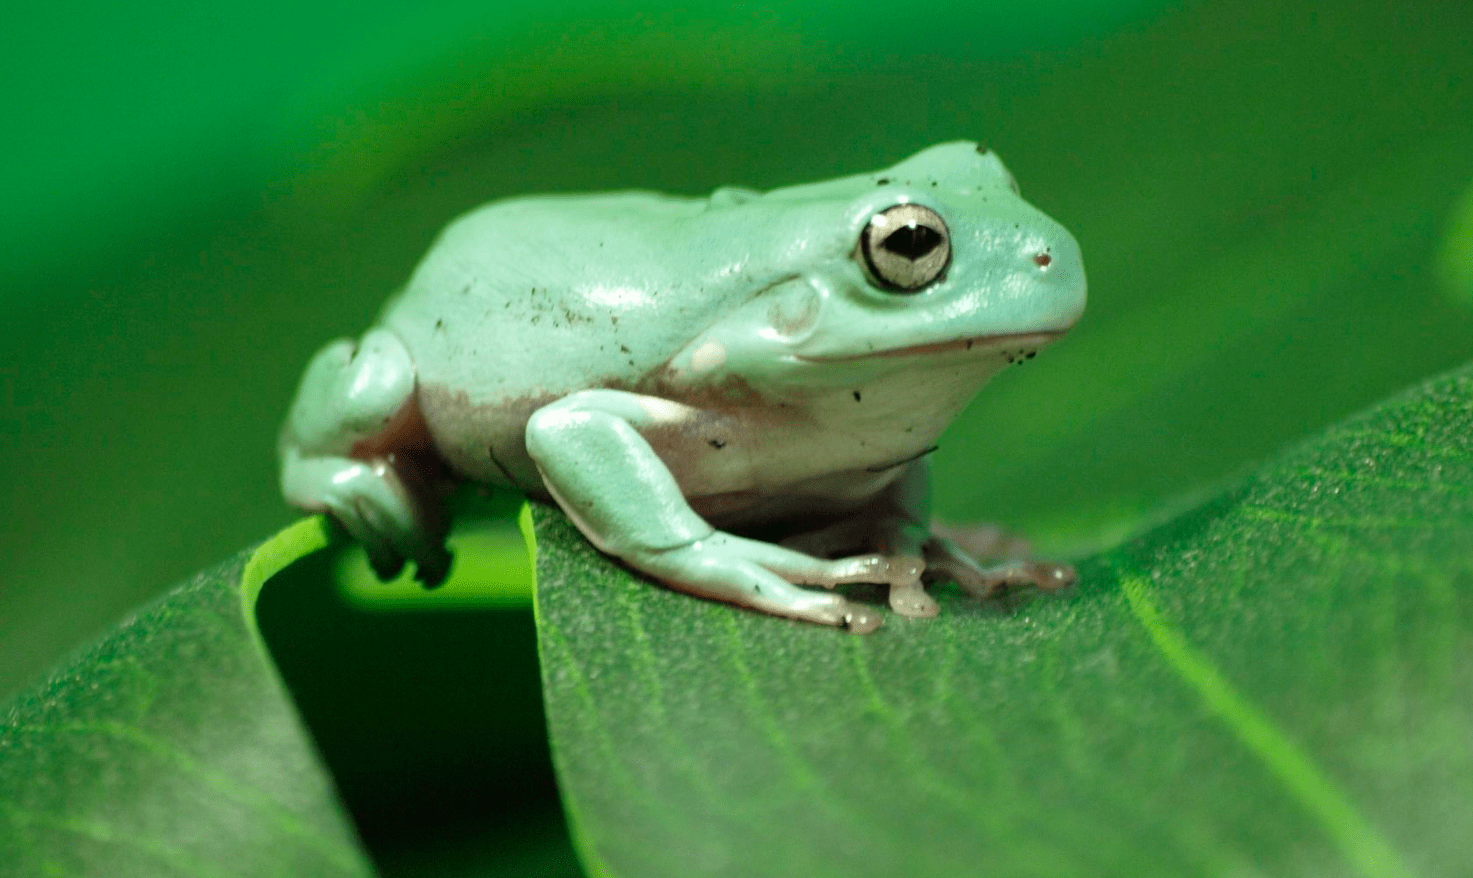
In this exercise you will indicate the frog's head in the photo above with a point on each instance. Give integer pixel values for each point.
(933, 264)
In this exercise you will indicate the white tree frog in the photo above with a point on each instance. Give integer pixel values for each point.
(685, 375)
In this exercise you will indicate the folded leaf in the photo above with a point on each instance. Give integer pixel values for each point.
(171, 749)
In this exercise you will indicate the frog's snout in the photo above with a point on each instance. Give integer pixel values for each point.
(1052, 259)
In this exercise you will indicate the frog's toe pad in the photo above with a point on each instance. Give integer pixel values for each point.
(910, 599)
(1052, 577)
(860, 619)
(990, 582)
(432, 569)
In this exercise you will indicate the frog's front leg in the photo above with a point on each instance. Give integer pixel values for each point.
(609, 480)
(352, 446)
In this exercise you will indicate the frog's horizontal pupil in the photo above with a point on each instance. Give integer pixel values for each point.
(912, 242)
(905, 248)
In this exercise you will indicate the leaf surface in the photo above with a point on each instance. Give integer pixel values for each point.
(1275, 683)
(171, 749)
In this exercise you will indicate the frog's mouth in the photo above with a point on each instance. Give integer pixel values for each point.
(1014, 345)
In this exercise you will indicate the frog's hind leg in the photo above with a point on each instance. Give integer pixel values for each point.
(355, 446)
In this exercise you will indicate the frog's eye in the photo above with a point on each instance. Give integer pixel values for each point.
(905, 248)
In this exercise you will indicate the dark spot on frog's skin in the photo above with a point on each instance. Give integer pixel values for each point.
(624, 348)
(1042, 260)
(981, 150)
(856, 396)
(614, 319)
(970, 342)
(883, 181)
(717, 443)
(1031, 355)
(440, 324)
(466, 291)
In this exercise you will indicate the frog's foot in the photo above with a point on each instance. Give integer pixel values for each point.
(898, 539)
(766, 577)
(947, 560)
(355, 445)
(374, 502)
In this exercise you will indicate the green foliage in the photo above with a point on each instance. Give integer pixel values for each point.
(1273, 201)
(202, 198)
(1274, 683)
(170, 749)
(1268, 684)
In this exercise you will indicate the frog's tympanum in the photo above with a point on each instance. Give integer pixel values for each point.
(683, 376)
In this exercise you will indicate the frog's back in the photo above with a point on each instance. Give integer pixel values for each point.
(544, 295)
(522, 302)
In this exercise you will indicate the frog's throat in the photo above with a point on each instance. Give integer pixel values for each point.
(1025, 340)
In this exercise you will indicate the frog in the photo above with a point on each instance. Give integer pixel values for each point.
(735, 396)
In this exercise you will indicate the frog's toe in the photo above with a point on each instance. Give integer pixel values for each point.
(910, 599)
(1052, 577)
(989, 581)
(804, 569)
(354, 517)
(758, 575)
(432, 566)
(947, 560)
(395, 539)
(832, 609)
(861, 620)
(379, 511)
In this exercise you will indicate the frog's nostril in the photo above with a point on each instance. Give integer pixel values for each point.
(1043, 260)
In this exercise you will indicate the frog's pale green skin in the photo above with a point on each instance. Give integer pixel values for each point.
(673, 370)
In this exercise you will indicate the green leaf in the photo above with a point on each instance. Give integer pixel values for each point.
(1274, 684)
(171, 749)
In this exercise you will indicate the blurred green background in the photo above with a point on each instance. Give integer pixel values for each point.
(198, 195)
(1275, 203)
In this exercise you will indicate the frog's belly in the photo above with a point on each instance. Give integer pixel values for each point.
(806, 505)
(737, 467)
(739, 471)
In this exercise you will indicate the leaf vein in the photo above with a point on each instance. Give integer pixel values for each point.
(1358, 840)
